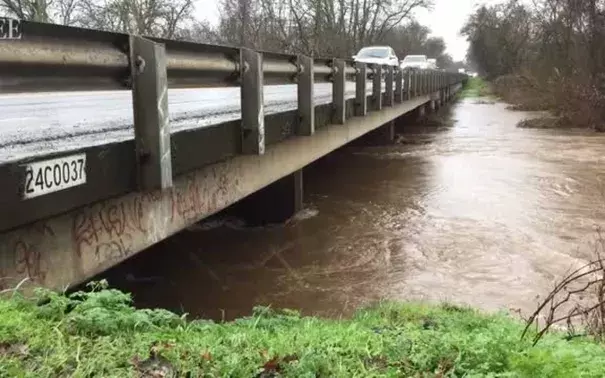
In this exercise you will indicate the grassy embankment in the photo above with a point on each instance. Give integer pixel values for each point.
(101, 335)
(476, 87)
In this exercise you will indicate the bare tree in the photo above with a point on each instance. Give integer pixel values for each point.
(313, 27)
(554, 46)
(160, 18)
(31, 10)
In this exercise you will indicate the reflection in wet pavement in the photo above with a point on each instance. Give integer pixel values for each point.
(479, 212)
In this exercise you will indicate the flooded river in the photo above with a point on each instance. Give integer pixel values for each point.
(475, 211)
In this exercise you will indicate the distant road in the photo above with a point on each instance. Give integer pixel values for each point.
(34, 124)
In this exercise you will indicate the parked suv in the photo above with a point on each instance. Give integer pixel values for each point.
(415, 61)
(383, 55)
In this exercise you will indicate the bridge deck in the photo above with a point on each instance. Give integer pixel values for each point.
(41, 123)
(205, 129)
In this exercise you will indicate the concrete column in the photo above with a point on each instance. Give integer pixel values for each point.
(275, 203)
(420, 112)
(383, 135)
(388, 132)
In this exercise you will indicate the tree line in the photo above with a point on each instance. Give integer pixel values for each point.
(554, 48)
(318, 28)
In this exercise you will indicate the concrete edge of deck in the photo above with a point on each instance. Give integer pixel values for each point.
(68, 249)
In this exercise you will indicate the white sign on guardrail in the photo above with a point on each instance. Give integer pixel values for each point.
(10, 28)
(49, 176)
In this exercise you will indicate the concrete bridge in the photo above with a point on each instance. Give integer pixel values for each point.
(82, 192)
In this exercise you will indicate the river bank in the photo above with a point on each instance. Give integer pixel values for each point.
(555, 105)
(100, 334)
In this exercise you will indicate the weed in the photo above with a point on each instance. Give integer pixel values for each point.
(99, 333)
(475, 87)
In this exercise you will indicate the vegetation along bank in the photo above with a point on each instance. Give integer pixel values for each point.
(100, 334)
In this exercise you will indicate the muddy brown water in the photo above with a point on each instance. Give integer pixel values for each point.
(476, 212)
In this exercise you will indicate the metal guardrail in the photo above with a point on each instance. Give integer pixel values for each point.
(52, 57)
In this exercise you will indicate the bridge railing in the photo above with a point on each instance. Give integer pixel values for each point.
(59, 58)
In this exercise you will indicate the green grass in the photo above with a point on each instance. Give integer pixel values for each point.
(99, 334)
(475, 87)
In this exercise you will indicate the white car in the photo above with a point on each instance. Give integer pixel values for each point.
(383, 55)
(415, 61)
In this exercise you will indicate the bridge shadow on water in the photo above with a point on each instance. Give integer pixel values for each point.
(333, 256)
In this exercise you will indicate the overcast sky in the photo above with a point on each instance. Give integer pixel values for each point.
(445, 20)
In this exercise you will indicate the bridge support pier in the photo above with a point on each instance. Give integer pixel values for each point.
(383, 135)
(275, 203)
(420, 112)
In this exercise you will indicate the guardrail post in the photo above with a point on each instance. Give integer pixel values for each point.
(416, 83)
(338, 91)
(389, 78)
(361, 100)
(377, 87)
(424, 82)
(306, 106)
(151, 119)
(427, 82)
(253, 112)
(409, 85)
(399, 86)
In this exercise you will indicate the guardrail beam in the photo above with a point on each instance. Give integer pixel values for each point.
(338, 91)
(306, 104)
(252, 102)
(150, 110)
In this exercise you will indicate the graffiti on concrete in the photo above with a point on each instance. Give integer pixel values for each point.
(103, 234)
(188, 203)
(108, 230)
(29, 261)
